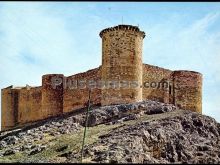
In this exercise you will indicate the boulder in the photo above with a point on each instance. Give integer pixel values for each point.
(3, 144)
(9, 152)
(36, 150)
(11, 140)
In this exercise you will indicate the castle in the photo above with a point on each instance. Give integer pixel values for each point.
(122, 78)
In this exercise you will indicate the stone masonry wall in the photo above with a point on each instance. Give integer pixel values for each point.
(29, 104)
(52, 96)
(76, 95)
(156, 83)
(188, 90)
(20, 106)
(8, 116)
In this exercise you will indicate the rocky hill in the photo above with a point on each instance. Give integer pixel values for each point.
(143, 132)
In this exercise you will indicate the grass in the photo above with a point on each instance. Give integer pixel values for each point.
(74, 141)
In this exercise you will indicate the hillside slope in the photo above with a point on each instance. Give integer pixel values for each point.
(143, 132)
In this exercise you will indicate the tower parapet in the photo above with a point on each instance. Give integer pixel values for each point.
(122, 27)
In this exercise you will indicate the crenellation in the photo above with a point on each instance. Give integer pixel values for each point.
(125, 28)
(122, 78)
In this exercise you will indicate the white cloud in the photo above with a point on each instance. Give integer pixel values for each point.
(194, 47)
(29, 31)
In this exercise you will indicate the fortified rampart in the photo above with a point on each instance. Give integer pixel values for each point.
(122, 78)
(76, 92)
(156, 83)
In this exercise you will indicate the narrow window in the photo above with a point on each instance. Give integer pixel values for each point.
(170, 89)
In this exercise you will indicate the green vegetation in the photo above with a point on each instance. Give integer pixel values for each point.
(74, 141)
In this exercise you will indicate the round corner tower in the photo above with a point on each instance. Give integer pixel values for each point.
(188, 90)
(52, 95)
(122, 64)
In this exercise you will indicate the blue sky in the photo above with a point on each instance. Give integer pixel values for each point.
(38, 38)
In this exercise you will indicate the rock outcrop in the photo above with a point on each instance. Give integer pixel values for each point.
(142, 132)
(189, 138)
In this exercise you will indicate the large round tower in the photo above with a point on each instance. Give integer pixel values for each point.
(121, 64)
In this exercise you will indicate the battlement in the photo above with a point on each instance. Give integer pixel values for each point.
(122, 27)
(187, 71)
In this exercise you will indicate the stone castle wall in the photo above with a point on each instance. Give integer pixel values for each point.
(76, 91)
(29, 104)
(121, 61)
(20, 106)
(156, 83)
(181, 88)
(8, 109)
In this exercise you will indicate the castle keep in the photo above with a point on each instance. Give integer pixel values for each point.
(122, 78)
